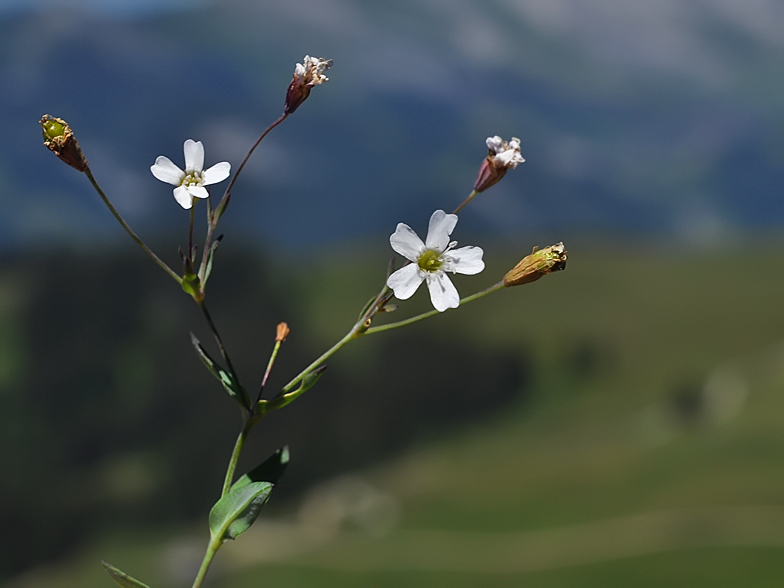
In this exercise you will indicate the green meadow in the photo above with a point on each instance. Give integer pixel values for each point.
(647, 451)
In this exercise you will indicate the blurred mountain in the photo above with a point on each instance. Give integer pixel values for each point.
(662, 118)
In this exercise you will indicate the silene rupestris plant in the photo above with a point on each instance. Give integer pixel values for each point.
(430, 261)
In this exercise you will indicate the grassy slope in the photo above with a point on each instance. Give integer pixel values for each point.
(600, 479)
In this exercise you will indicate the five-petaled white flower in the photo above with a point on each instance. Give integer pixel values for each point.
(506, 154)
(190, 183)
(431, 260)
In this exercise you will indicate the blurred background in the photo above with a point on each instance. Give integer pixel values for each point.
(620, 423)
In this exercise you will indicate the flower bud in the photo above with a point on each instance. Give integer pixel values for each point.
(534, 266)
(502, 155)
(59, 138)
(306, 75)
(282, 332)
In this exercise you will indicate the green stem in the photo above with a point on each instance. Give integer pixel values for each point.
(358, 330)
(269, 369)
(466, 201)
(128, 229)
(190, 236)
(207, 244)
(235, 455)
(352, 334)
(212, 549)
(214, 545)
(218, 339)
(425, 315)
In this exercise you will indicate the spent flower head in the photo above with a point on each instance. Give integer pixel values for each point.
(190, 182)
(60, 140)
(502, 156)
(431, 260)
(307, 74)
(540, 263)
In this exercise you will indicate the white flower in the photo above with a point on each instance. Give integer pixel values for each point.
(506, 154)
(311, 71)
(431, 260)
(190, 183)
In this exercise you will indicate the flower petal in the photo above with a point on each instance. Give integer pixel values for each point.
(495, 144)
(443, 293)
(217, 173)
(441, 226)
(198, 191)
(406, 242)
(509, 158)
(183, 197)
(166, 171)
(405, 281)
(466, 260)
(194, 155)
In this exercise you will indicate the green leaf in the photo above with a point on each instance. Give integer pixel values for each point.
(232, 386)
(210, 256)
(121, 578)
(233, 514)
(308, 381)
(270, 470)
(367, 307)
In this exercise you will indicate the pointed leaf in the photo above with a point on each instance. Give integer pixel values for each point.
(121, 578)
(205, 358)
(270, 470)
(233, 514)
(228, 381)
(308, 382)
(210, 256)
(367, 306)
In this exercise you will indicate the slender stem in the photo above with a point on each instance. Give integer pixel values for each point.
(352, 334)
(466, 201)
(215, 215)
(425, 315)
(128, 229)
(269, 369)
(212, 222)
(218, 339)
(235, 455)
(190, 235)
(227, 194)
(212, 549)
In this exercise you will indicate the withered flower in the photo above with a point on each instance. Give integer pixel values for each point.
(534, 266)
(306, 75)
(502, 156)
(60, 140)
(282, 332)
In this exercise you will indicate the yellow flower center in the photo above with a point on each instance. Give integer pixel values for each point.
(430, 261)
(192, 179)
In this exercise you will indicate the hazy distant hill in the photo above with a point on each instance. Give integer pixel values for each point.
(661, 117)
